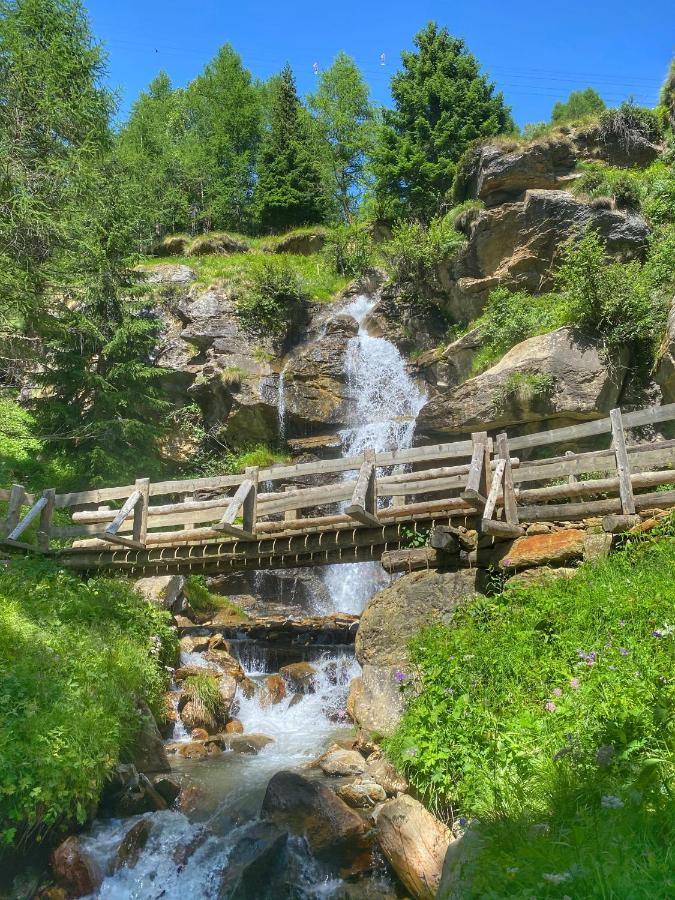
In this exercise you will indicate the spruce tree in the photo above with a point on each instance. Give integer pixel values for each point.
(578, 105)
(290, 189)
(441, 104)
(345, 118)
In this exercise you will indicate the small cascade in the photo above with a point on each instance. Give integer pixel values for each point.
(281, 406)
(387, 402)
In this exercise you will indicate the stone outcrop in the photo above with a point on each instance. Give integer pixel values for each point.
(311, 809)
(167, 273)
(517, 245)
(394, 615)
(163, 591)
(216, 243)
(375, 701)
(414, 843)
(665, 369)
(578, 383)
(301, 243)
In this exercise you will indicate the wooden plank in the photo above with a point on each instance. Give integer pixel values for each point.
(478, 478)
(300, 499)
(502, 529)
(250, 509)
(595, 486)
(290, 515)
(567, 512)
(363, 506)
(140, 526)
(124, 542)
(44, 533)
(28, 519)
(510, 504)
(622, 463)
(128, 506)
(571, 478)
(495, 490)
(640, 456)
(17, 497)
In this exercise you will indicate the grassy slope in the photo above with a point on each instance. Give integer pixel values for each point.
(537, 704)
(74, 656)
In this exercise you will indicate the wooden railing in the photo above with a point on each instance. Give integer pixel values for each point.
(482, 477)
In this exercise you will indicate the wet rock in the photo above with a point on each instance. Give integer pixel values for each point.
(575, 383)
(226, 662)
(257, 865)
(183, 672)
(192, 750)
(300, 676)
(197, 644)
(343, 762)
(72, 870)
(362, 793)
(196, 717)
(234, 726)
(385, 774)
(246, 743)
(199, 734)
(414, 843)
(147, 753)
(394, 615)
(132, 843)
(295, 699)
(309, 808)
(227, 688)
(274, 691)
(167, 787)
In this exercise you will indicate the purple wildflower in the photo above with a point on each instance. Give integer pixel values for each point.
(574, 683)
(623, 651)
(604, 755)
(400, 676)
(557, 692)
(657, 633)
(550, 706)
(610, 802)
(463, 822)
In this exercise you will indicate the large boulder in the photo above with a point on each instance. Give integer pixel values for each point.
(518, 245)
(166, 273)
(163, 591)
(414, 843)
(311, 809)
(394, 615)
(257, 866)
(147, 752)
(315, 381)
(216, 243)
(302, 243)
(375, 701)
(72, 869)
(557, 378)
(665, 369)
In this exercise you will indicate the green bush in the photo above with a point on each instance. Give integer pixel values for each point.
(349, 248)
(415, 251)
(203, 692)
(554, 699)
(624, 186)
(629, 122)
(75, 656)
(266, 301)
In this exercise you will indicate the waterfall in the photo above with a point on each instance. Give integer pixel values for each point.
(387, 402)
(281, 406)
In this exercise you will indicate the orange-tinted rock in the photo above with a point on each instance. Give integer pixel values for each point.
(274, 692)
(192, 750)
(234, 726)
(71, 868)
(543, 549)
(199, 734)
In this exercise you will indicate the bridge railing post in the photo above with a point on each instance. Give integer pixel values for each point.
(250, 506)
(140, 526)
(622, 463)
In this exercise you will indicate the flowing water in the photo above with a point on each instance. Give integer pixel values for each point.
(228, 788)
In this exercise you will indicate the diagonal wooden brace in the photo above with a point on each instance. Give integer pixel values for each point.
(363, 507)
(244, 501)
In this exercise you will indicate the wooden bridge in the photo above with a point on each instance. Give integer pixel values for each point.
(364, 506)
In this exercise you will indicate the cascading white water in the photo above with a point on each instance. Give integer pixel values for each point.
(281, 406)
(387, 402)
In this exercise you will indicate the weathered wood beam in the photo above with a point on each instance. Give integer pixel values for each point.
(17, 497)
(244, 502)
(44, 532)
(28, 519)
(363, 507)
(495, 490)
(510, 504)
(622, 463)
(476, 490)
(140, 527)
(123, 513)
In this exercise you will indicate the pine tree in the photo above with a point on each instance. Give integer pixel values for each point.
(223, 119)
(289, 190)
(345, 117)
(442, 103)
(149, 150)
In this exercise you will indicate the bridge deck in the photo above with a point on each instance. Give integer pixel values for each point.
(369, 507)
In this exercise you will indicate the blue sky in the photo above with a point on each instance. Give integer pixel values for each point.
(536, 52)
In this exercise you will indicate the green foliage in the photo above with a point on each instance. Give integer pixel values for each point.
(559, 691)
(75, 656)
(345, 119)
(202, 691)
(415, 252)
(349, 249)
(202, 600)
(265, 304)
(627, 122)
(599, 180)
(525, 388)
(667, 95)
(289, 188)
(579, 105)
(412, 538)
(441, 104)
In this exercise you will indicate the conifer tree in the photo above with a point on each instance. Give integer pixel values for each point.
(578, 105)
(290, 189)
(345, 118)
(441, 104)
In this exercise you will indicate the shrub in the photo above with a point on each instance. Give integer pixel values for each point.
(203, 692)
(350, 249)
(202, 600)
(272, 290)
(75, 656)
(628, 123)
(598, 181)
